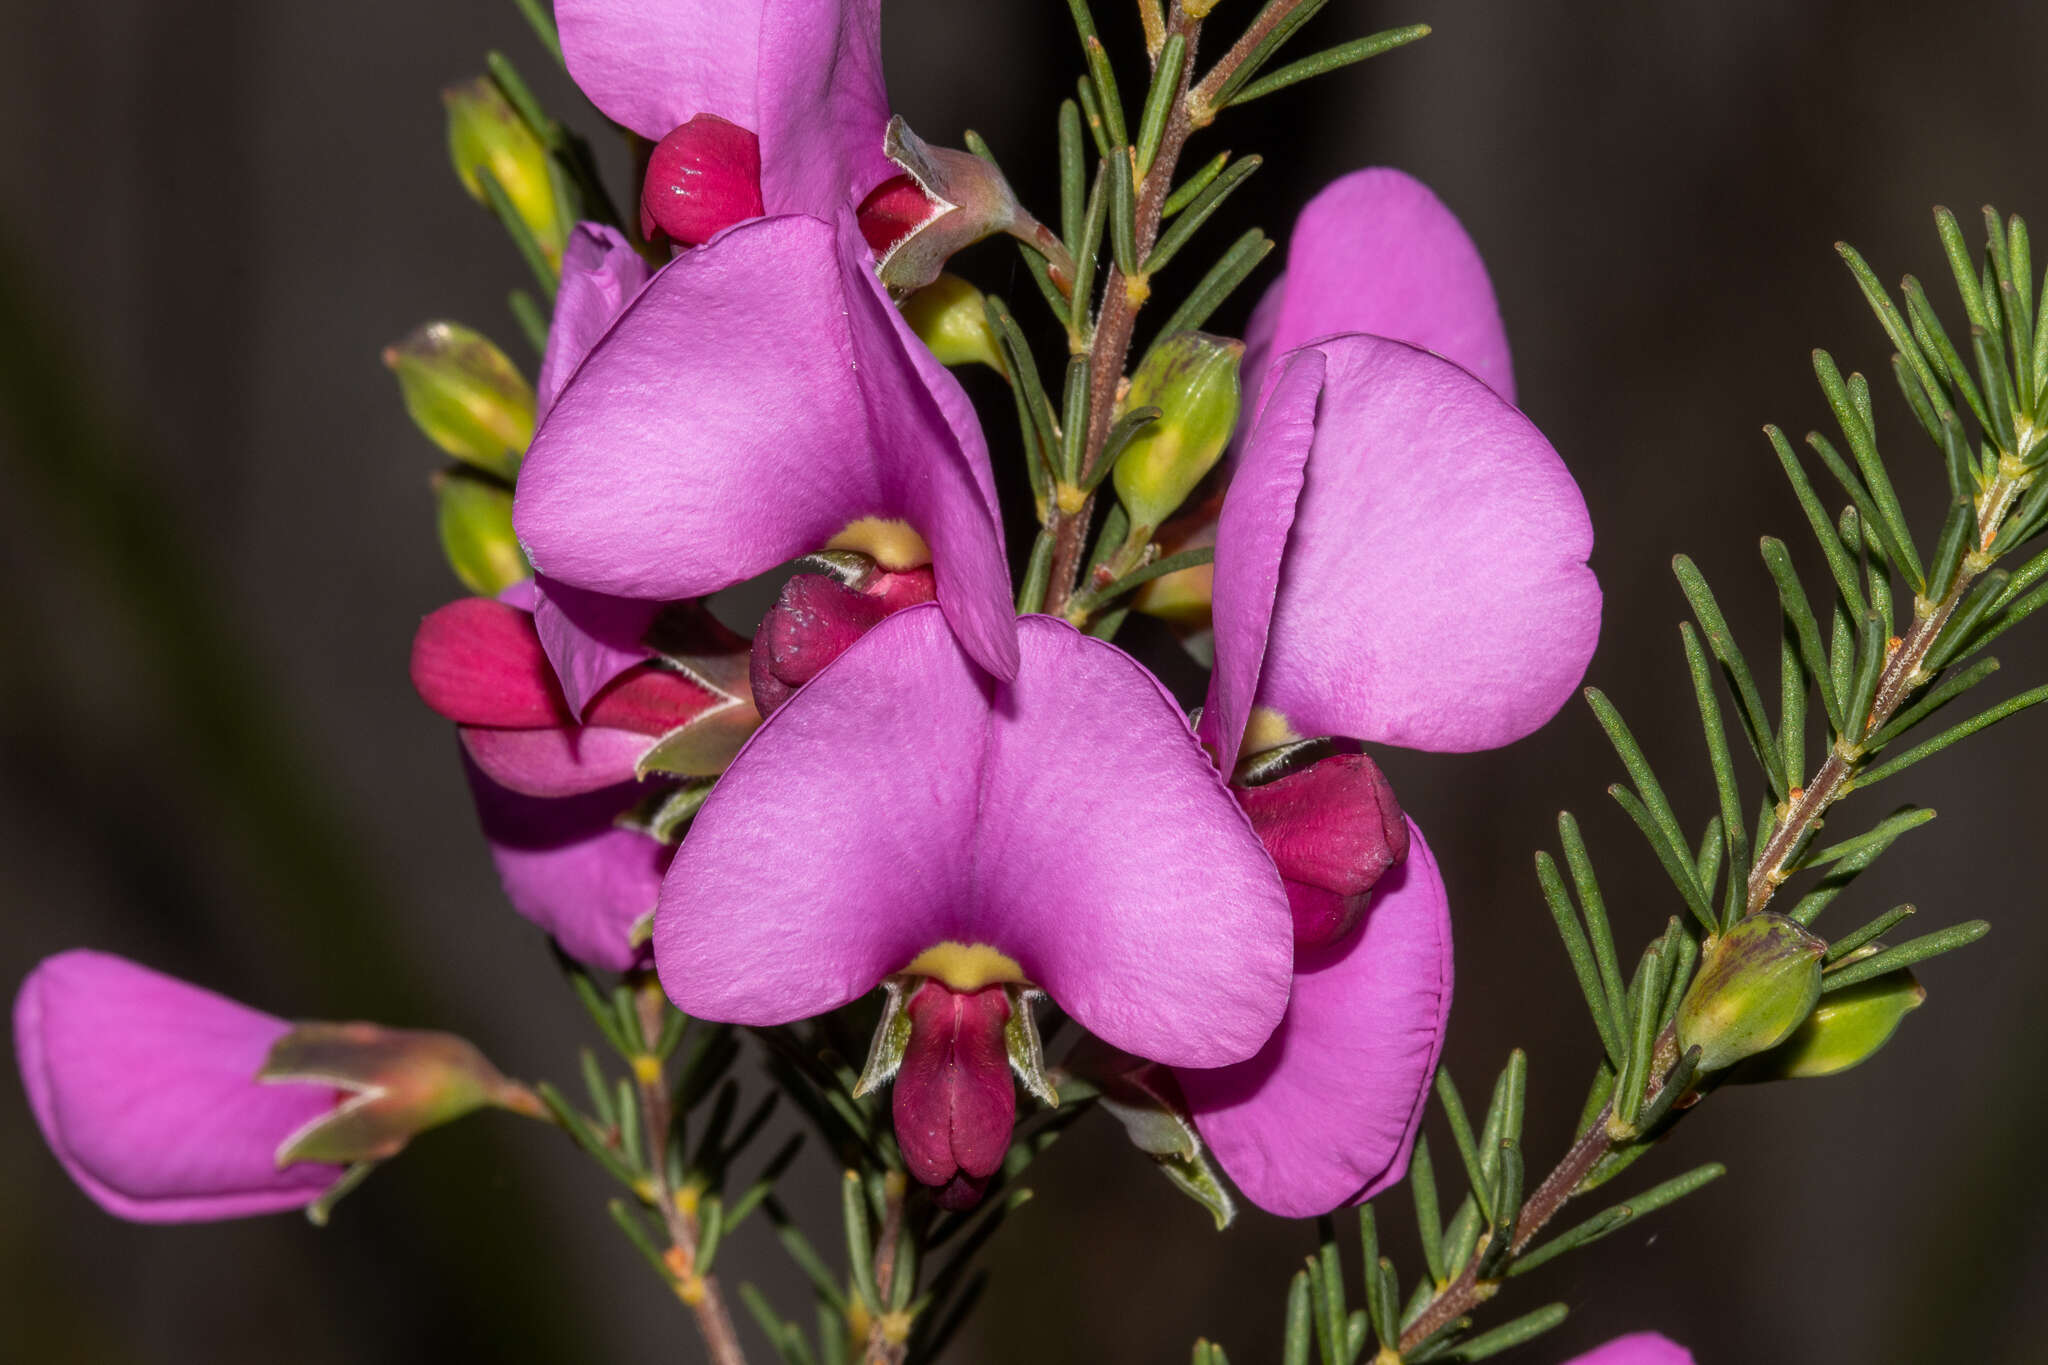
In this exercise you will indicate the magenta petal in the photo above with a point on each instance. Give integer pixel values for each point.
(823, 109)
(590, 638)
(1377, 252)
(651, 64)
(1637, 1348)
(902, 798)
(566, 761)
(1326, 1114)
(1434, 592)
(145, 1087)
(568, 868)
(600, 275)
(757, 398)
(1251, 539)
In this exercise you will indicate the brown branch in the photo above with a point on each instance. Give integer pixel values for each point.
(888, 1334)
(699, 1292)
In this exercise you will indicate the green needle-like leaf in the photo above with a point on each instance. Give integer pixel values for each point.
(1965, 621)
(1186, 192)
(1894, 324)
(1849, 943)
(1428, 1218)
(1905, 955)
(1580, 953)
(1677, 861)
(1292, 16)
(1879, 836)
(1525, 1328)
(1330, 59)
(1166, 74)
(1073, 175)
(1461, 1134)
(1104, 77)
(1295, 1349)
(1188, 223)
(1123, 215)
(1839, 564)
(1230, 270)
(1755, 722)
(1733, 832)
(1949, 736)
(1598, 931)
(1885, 512)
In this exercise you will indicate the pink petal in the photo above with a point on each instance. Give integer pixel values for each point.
(1327, 1113)
(1434, 592)
(478, 662)
(1067, 819)
(565, 761)
(600, 275)
(1377, 252)
(651, 64)
(1251, 540)
(757, 398)
(1637, 1348)
(568, 868)
(145, 1088)
(823, 108)
(590, 637)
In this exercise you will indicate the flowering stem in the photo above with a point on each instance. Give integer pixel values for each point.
(1122, 297)
(888, 1339)
(699, 1292)
(1901, 678)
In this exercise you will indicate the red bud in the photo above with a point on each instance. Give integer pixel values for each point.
(1332, 829)
(817, 619)
(892, 211)
(701, 179)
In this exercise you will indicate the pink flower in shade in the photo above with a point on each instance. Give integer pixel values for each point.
(905, 812)
(759, 400)
(1400, 560)
(1637, 1348)
(145, 1088)
(550, 790)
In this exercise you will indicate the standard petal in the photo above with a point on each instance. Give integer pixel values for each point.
(600, 275)
(1637, 1348)
(566, 761)
(1251, 539)
(651, 64)
(145, 1088)
(749, 407)
(903, 799)
(822, 105)
(570, 869)
(590, 637)
(1327, 1113)
(1377, 252)
(1434, 592)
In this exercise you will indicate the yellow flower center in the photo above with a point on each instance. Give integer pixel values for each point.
(891, 544)
(965, 966)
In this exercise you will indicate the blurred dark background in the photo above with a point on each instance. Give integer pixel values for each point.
(216, 540)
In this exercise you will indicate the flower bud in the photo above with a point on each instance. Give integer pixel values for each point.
(1191, 378)
(475, 521)
(954, 1103)
(817, 618)
(1182, 598)
(1332, 829)
(399, 1082)
(465, 395)
(950, 316)
(486, 134)
(945, 200)
(701, 179)
(1758, 984)
(1846, 1028)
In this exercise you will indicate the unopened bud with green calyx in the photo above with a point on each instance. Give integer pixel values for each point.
(465, 395)
(1758, 984)
(1846, 1028)
(474, 514)
(487, 136)
(1191, 377)
(950, 316)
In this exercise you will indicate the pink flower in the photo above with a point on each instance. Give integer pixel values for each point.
(145, 1088)
(905, 813)
(1400, 559)
(1638, 1348)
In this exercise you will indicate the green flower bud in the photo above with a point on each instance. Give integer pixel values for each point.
(475, 518)
(486, 134)
(1191, 378)
(1758, 984)
(950, 316)
(1847, 1027)
(465, 395)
